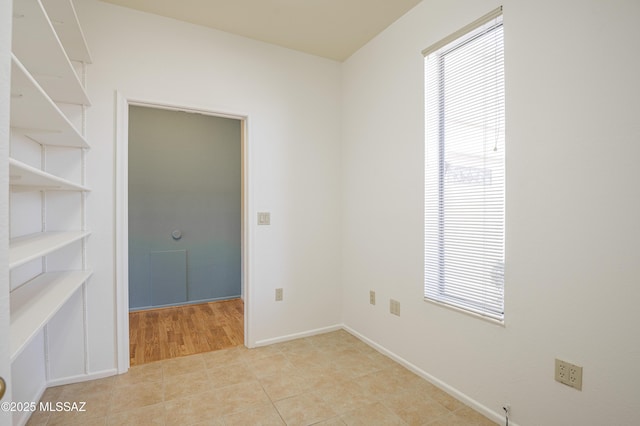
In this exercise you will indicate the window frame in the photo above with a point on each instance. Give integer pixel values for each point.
(437, 293)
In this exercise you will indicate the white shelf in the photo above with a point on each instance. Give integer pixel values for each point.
(65, 21)
(34, 304)
(30, 247)
(23, 177)
(35, 114)
(38, 47)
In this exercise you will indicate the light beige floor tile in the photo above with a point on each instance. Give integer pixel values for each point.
(358, 370)
(240, 397)
(308, 359)
(294, 346)
(231, 374)
(380, 385)
(374, 414)
(381, 361)
(304, 409)
(415, 409)
(185, 385)
(330, 379)
(53, 394)
(211, 422)
(141, 374)
(336, 421)
(202, 407)
(448, 420)
(446, 400)
(250, 355)
(322, 376)
(38, 418)
(411, 380)
(129, 397)
(270, 365)
(222, 358)
(261, 415)
(183, 365)
(96, 405)
(75, 418)
(281, 386)
(473, 417)
(76, 391)
(354, 364)
(343, 396)
(151, 415)
(355, 343)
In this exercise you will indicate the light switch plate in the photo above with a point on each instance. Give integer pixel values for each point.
(394, 307)
(264, 218)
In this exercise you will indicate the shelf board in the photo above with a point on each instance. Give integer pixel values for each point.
(23, 177)
(65, 21)
(38, 47)
(35, 114)
(30, 247)
(36, 302)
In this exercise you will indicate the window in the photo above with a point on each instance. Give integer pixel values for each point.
(465, 169)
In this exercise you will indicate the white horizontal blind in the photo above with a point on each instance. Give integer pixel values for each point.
(465, 171)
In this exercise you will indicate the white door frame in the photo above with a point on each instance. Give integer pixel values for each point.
(5, 107)
(122, 216)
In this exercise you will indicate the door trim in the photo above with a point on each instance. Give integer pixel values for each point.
(122, 217)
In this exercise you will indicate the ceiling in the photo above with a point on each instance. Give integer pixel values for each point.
(333, 29)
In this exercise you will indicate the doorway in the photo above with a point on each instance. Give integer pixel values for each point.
(184, 208)
(181, 230)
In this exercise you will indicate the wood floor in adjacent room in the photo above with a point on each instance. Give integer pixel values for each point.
(164, 333)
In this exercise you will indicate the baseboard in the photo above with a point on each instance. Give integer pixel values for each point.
(83, 377)
(189, 302)
(294, 336)
(484, 410)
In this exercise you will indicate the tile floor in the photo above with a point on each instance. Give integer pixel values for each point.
(330, 379)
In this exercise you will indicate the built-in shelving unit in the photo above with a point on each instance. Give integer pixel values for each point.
(38, 47)
(49, 276)
(34, 303)
(30, 247)
(65, 22)
(27, 178)
(36, 115)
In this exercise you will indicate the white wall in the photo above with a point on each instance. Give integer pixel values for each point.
(292, 102)
(573, 203)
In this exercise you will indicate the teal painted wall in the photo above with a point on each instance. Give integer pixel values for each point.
(184, 174)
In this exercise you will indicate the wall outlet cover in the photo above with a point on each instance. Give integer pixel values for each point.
(568, 374)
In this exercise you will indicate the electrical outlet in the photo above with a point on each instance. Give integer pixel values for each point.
(562, 375)
(568, 374)
(279, 294)
(372, 297)
(575, 376)
(394, 307)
